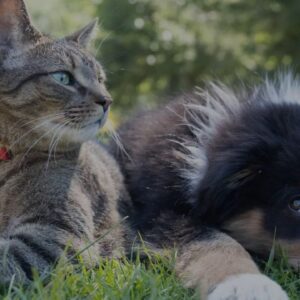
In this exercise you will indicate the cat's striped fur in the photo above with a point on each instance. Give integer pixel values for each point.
(58, 194)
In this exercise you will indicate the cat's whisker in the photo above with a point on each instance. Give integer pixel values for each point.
(59, 137)
(39, 139)
(53, 142)
(50, 148)
(57, 140)
(31, 130)
(115, 136)
(101, 43)
(20, 124)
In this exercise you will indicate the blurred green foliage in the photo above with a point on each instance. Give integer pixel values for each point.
(152, 48)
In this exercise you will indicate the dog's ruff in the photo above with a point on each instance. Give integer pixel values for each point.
(219, 105)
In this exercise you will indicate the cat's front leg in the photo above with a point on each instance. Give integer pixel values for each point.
(223, 270)
(36, 246)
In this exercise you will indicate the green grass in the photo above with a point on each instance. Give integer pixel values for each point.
(288, 278)
(115, 279)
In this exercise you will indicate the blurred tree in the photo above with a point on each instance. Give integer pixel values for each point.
(169, 46)
(156, 47)
(152, 48)
(61, 17)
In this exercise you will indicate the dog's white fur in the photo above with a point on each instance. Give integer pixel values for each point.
(248, 287)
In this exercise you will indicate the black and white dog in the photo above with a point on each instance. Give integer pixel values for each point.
(220, 169)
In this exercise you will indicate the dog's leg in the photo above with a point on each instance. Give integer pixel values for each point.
(223, 270)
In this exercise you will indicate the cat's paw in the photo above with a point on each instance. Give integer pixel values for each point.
(248, 287)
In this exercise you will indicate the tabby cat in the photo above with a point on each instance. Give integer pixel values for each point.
(56, 190)
(58, 193)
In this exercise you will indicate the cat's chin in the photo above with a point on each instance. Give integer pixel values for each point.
(86, 133)
(74, 136)
(82, 135)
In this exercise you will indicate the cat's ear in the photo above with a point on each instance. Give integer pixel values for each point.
(85, 35)
(16, 30)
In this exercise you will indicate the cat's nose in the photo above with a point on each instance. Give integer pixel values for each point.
(104, 101)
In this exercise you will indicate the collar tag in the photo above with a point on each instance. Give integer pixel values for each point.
(4, 154)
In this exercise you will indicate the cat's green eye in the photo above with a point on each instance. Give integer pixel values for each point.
(63, 78)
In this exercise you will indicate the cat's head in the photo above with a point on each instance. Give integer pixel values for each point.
(50, 89)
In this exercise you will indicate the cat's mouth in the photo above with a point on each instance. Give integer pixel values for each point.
(79, 128)
(82, 119)
(100, 122)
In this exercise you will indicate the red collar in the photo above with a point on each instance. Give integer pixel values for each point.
(5, 154)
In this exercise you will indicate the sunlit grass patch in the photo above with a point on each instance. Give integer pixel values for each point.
(112, 279)
(152, 278)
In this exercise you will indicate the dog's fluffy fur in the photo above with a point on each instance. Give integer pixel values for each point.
(219, 160)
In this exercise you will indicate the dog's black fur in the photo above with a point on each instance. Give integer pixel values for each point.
(266, 142)
(213, 161)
